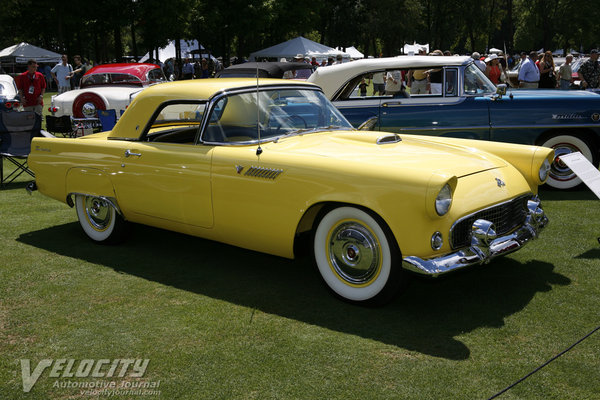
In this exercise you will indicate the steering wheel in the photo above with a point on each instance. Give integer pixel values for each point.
(291, 118)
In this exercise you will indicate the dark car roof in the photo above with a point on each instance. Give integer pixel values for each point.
(265, 69)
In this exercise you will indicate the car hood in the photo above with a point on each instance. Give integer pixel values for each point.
(361, 148)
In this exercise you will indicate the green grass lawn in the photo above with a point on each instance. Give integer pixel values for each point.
(219, 322)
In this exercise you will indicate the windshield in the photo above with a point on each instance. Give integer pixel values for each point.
(476, 83)
(281, 112)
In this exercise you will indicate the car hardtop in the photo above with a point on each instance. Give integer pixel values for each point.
(332, 77)
(138, 74)
(265, 69)
(148, 101)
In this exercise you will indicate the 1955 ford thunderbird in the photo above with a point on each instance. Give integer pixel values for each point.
(261, 166)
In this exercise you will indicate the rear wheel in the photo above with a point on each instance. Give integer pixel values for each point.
(99, 219)
(357, 256)
(561, 176)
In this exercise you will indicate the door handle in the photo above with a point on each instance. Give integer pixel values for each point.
(130, 153)
(391, 104)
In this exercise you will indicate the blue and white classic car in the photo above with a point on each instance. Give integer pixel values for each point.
(450, 96)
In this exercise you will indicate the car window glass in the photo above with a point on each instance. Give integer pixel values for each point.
(451, 82)
(176, 123)
(236, 118)
(110, 79)
(476, 83)
(156, 75)
(2, 89)
(386, 84)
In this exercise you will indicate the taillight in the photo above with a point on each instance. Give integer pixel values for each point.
(16, 104)
(52, 109)
(8, 105)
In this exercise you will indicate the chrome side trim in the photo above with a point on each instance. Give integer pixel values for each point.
(497, 127)
(484, 244)
(110, 200)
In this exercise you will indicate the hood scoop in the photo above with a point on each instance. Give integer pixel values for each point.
(387, 139)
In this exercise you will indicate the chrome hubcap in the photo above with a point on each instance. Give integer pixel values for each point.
(558, 169)
(98, 212)
(354, 253)
(89, 110)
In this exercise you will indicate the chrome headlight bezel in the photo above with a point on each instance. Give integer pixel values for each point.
(443, 201)
(544, 171)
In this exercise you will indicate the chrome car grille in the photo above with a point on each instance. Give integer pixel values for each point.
(506, 217)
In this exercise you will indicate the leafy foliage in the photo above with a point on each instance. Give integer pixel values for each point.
(112, 28)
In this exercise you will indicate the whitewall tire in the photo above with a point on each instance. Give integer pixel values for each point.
(99, 219)
(561, 176)
(356, 256)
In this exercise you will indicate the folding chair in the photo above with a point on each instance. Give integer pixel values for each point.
(108, 119)
(17, 129)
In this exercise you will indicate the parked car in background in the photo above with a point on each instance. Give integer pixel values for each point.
(106, 86)
(267, 166)
(469, 106)
(9, 98)
(264, 69)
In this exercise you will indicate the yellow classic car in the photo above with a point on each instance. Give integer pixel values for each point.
(262, 166)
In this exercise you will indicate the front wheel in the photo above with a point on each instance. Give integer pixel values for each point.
(357, 256)
(561, 176)
(99, 219)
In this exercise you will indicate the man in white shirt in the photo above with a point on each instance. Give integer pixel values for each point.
(393, 82)
(529, 73)
(62, 73)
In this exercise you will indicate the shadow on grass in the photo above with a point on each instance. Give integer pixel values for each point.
(425, 319)
(579, 193)
(591, 254)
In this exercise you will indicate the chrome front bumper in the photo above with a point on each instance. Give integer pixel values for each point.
(485, 245)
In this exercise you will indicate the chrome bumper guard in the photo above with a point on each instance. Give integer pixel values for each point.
(485, 245)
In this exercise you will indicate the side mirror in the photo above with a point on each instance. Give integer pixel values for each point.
(501, 89)
(368, 125)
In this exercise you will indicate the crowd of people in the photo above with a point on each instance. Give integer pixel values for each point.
(538, 70)
(32, 84)
(535, 70)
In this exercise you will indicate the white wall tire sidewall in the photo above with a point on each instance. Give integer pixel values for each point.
(320, 248)
(98, 236)
(583, 148)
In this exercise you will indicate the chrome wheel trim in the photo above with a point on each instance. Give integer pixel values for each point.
(89, 110)
(98, 213)
(558, 169)
(354, 253)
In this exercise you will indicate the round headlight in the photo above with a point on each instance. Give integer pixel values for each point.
(544, 170)
(443, 201)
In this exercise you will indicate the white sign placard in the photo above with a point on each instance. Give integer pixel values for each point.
(584, 169)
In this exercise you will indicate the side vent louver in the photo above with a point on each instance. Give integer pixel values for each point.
(261, 172)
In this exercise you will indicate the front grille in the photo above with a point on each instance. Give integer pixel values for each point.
(506, 217)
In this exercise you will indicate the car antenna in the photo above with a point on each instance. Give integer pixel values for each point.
(259, 149)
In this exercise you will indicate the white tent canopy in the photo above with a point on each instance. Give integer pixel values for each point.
(413, 49)
(494, 50)
(23, 52)
(187, 47)
(352, 52)
(299, 45)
